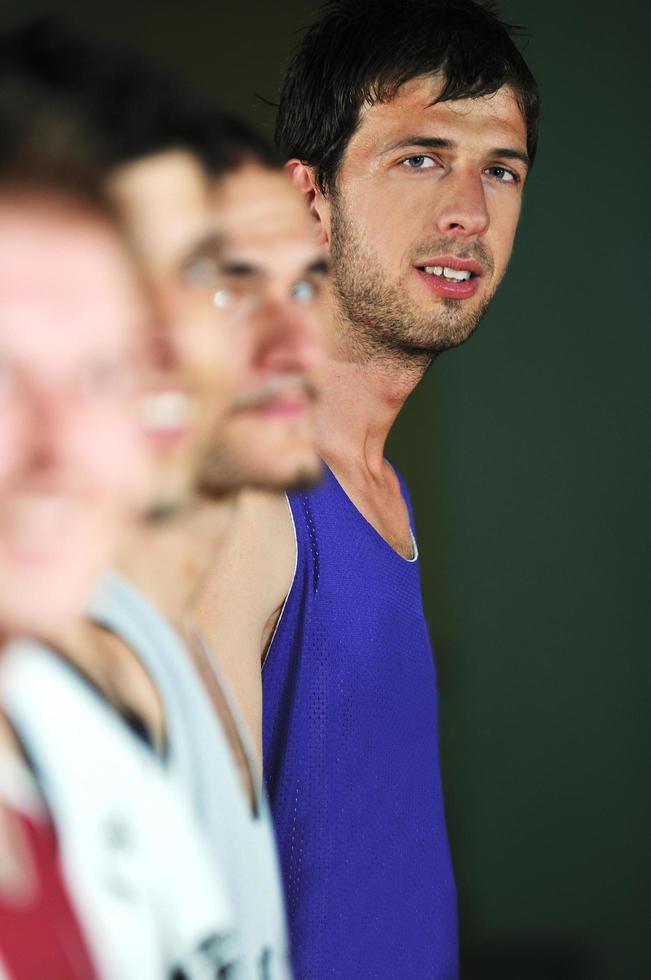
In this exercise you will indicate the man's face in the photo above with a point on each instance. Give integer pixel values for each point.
(273, 272)
(71, 466)
(164, 201)
(422, 220)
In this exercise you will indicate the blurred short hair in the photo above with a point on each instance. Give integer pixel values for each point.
(127, 105)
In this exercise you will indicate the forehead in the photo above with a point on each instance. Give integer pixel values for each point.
(164, 200)
(173, 179)
(258, 208)
(65, 283)
(491, 120)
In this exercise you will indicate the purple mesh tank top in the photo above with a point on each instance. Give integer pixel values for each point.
(351, 757)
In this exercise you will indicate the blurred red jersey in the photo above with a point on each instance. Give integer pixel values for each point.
(39, 933)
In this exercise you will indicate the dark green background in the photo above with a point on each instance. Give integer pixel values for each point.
(527, 455)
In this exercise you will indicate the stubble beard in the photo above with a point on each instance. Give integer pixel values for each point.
(224, 471)
(378, 318)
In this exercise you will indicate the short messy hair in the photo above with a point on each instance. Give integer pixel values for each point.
(360, 52)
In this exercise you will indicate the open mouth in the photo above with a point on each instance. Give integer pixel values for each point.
(166, 416)
(451, 277)
(287, 407)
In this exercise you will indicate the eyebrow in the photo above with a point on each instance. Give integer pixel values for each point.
(210, 246)
(438, 143)
(511, 154)
(241, 269)
(320, 266)
(244, 270)
(428, 142)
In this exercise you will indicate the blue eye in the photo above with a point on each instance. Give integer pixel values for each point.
(199, 271)
(303, 291)
(419, 162)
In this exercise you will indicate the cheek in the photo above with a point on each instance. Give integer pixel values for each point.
(203, 350)
(378, 217)
(393, 203)
(10, 441)
(117, 460)
(388, 227)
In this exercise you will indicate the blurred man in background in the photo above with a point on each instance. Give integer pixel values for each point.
(102, 866)
(410, 129)
(273, 269)
(266, 293)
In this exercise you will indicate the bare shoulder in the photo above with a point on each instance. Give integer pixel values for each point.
(243, 592)
(257, 553)
(264, 514)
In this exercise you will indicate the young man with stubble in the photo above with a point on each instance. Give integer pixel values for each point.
(410, 128)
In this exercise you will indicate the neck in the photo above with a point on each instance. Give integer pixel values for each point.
(361, 399)
(169, 559)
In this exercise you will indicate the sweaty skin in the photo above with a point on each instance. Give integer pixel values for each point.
(418, 180)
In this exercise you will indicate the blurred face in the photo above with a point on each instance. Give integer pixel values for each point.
(272, 276)
(423, 217)
(163, 199)
(71, 466)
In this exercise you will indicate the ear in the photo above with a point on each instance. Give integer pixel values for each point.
(303, 177)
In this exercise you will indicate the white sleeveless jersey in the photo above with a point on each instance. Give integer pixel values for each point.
(150, 904)
(200, 758)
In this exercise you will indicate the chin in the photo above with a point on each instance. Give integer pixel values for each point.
(297, 474)
(173, 492)
(260, 464)
(53, 610)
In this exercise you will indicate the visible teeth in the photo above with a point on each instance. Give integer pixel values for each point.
(458, 274)
(166, 410)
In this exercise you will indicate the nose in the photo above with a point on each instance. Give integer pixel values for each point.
(51, 431)
(162, 350)
(463, 212)
(287, 337)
